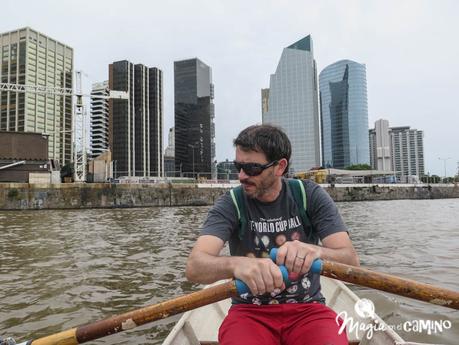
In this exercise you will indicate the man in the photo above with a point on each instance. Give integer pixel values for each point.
(272, 313)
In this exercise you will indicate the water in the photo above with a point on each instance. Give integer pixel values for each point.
(61, 269)
(415, 239)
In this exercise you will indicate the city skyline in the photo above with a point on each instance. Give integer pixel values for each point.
(412, 72)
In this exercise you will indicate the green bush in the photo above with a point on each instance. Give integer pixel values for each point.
(13, 193)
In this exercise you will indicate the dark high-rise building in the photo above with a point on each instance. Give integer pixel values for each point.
(136, 125)
(194, 119)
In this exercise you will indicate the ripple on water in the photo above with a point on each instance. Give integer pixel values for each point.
(63, 268)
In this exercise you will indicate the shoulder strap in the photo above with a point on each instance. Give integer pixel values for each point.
(239, 204)
(299, 195)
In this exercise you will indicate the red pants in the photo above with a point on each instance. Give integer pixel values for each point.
(281, 324)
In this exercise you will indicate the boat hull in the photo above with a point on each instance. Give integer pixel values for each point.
(200, 326)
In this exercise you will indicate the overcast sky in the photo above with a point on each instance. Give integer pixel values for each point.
(409, 47)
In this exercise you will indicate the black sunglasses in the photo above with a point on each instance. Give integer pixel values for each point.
(253, 169)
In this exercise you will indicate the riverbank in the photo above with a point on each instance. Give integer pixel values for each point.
(23, 196)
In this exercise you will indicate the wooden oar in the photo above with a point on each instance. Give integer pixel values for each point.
(138, 317)
(389, 283)
(384, 282)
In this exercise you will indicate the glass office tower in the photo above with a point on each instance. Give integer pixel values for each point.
(344, 114)
(293, 104)
(194, 119)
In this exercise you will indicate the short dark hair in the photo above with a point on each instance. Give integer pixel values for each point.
(267, 139)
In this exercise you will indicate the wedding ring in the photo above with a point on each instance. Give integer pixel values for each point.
(300, 257)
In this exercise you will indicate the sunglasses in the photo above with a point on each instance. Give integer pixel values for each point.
(253, 169)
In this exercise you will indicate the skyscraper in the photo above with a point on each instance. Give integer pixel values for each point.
(400, 149)
(293, 103)
(99, 119)
(407, 151)
(28, 57)
(136, 125)
(169, 154)
(264, 102)
(194, 119)
(344, 114)
(380, 157)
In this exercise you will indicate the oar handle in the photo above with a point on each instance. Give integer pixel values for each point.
(316, 266)
(242, 287)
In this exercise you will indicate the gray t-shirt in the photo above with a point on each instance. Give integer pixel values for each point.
(269, 226)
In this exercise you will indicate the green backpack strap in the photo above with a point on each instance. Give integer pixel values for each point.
(238, 201)
(299, 194)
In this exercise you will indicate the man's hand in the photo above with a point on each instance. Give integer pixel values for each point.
(260, 275)
(298, 256)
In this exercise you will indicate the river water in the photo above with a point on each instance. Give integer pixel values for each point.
(63, 268)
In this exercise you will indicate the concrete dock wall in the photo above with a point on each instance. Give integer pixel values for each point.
(23, 196)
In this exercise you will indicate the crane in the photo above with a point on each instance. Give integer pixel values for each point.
(79, 128)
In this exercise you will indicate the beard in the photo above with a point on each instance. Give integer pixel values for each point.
(257, 187)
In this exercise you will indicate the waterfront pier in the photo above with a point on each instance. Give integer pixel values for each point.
(24, 196)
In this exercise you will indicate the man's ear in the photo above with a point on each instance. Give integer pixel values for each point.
(281, 167)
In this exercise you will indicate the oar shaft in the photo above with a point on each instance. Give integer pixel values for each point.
(139, 317)
(392, 284)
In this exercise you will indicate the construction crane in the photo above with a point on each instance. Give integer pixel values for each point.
(79, 127)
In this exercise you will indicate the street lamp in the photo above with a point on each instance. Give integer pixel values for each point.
(192, 148)
(444, 163)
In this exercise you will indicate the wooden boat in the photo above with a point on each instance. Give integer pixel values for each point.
(200, 326)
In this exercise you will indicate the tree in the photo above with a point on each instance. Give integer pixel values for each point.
(430, 179)
(67, 170)
(435, 179)
(358, 167)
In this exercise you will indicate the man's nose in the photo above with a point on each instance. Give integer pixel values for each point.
(242, 175)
